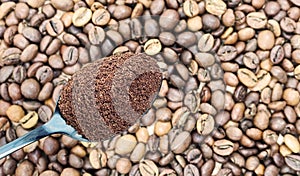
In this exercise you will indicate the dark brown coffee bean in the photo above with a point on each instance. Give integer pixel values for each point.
(121, 12)
(14, 91)
(277, 54)
(208, 167)
(186, 39)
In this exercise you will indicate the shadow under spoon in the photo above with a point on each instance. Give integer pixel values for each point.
(56, 125)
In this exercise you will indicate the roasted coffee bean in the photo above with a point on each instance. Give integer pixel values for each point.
(54, 27)
(227, 53)
(32, 34)
(101, 17)
(292, 161)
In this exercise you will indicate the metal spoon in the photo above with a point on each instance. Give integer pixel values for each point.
(56, 125)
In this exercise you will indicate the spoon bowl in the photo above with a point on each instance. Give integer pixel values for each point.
(55, 125)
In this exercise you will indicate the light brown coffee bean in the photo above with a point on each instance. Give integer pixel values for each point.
(263, 80)
(29, 120)
(29, 53)
(54, 27)
(97, 158)
(266, 40)
(152, 47)
(148, 167)
(15, 113)
(256, 20)
(205, 124)
(101, 17)
(127, 140)
(32, 34)
(223, 147)
(215, 7)
(123, 165)
(291, 96)
(246, 34)
(292, 143)
(206, 43)
(181, 142)
(63, 5)
(81, 16)
(190, 8)
(247, 77)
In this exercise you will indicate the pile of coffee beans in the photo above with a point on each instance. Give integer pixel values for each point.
(229, 102)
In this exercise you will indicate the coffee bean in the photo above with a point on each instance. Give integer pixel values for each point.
(5, 73)
(97, 159)
(227, 53)
(223, 147)
(190, 8)
(287, 24)
(32, 34)
(148, 167)
(70, 171)
(181, 142)
(44, 74)
(138, 152)
(277, 54)
(24, 167)
(292, 161)
(247, 77)
(51, 146)
(206, 43)
(168, 19)
(126, 140)
(81, 17)
(101, 17)
(264, 36)
(256, 20)
(191, 169)
(215, 7)
(152, 47)
(205, 124)
(29, 53)
(54, 27)
(210, 22)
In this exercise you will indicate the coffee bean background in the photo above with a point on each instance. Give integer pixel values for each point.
(229, 101)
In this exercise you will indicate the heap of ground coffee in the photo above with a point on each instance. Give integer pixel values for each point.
(107, 96)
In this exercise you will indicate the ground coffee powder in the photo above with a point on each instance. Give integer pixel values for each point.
(107, 96)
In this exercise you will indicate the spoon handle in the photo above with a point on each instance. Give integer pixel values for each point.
(28, 138)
